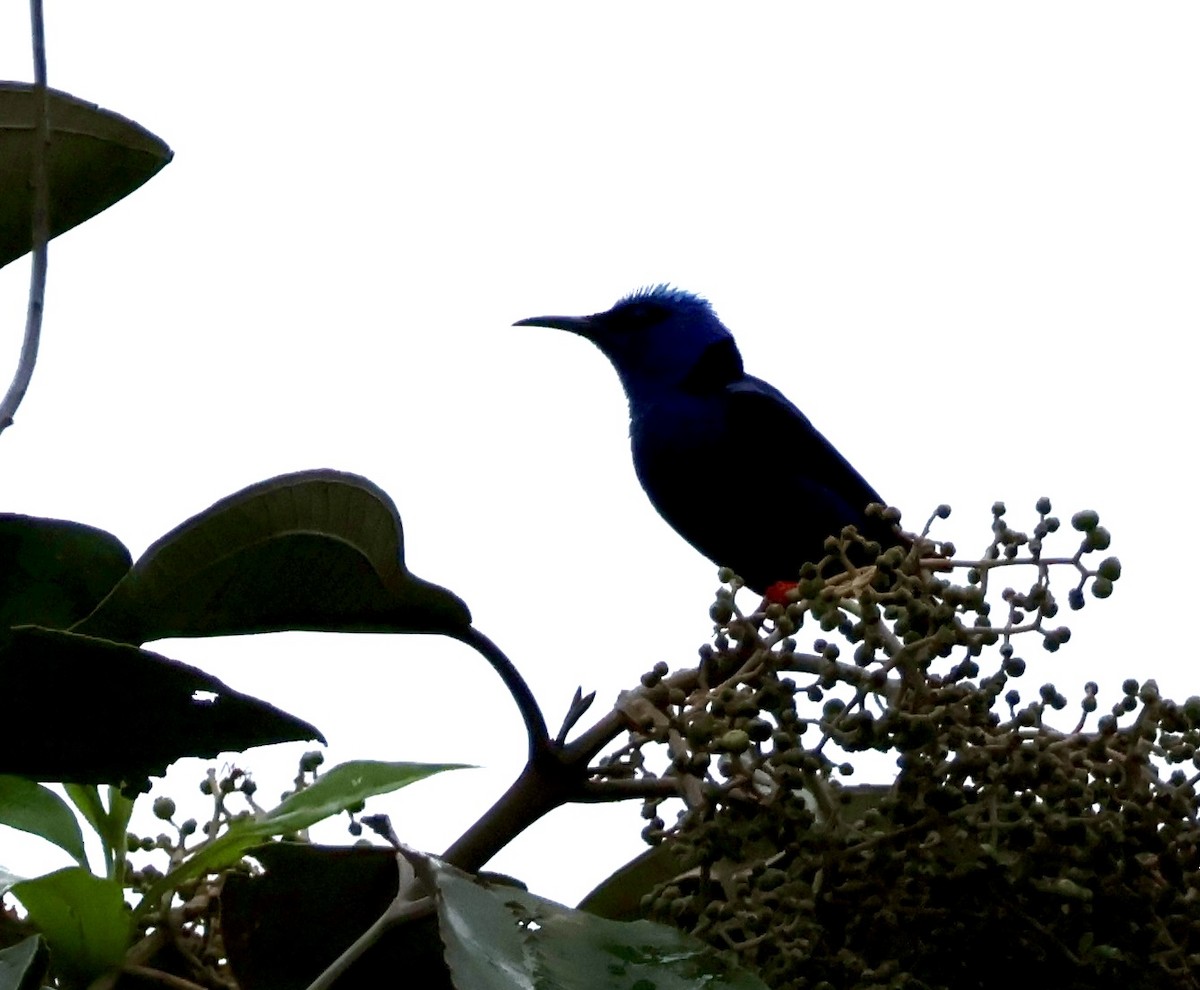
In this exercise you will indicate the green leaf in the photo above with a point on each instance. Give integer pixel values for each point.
(502, 938)
(341, 787)
(33, 808)
(23, 966)
(54, 572)
(67, 701)
(83, 918)
(345, 785)
(318, 550)
(95, 158)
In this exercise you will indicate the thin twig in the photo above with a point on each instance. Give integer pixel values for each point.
(40, 226)
(405, 907)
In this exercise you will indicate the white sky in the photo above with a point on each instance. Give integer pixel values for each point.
(962, 237)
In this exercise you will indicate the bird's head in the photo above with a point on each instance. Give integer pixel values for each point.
(655, 337)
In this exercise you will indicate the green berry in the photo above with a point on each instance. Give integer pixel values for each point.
(1086, 520)
(163, 808)
(734, 741)
(311, 760)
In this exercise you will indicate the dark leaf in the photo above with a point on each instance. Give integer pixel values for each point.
(54, 572)
(284, 927)
(95, 158)
(318, 550)
(90, 711)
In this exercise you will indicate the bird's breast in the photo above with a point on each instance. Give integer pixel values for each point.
(682, 451)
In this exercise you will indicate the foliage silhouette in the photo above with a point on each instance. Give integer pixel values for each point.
(55, 571)
(60, 679)
(316, 550)
(95, 159)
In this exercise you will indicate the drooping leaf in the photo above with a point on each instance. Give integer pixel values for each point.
(317, 550)
(54, 572)
(23, 966)
(343, 786)
(33, 808)
(83, 918)
(91, 711)
(95, 158)
(283, 927)
(501, 938)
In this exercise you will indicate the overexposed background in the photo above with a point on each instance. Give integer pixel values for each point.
(963, 238)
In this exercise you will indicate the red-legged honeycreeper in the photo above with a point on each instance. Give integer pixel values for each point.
(725, 458)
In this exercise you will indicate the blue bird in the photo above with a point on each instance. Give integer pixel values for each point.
(705, 434)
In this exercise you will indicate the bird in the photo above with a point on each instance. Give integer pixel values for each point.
(727, 460)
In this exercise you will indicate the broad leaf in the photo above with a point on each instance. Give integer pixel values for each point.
(90, 711)
(95, 158)
(501, 938)
(23, 966)
(83, 918)
(318, 550)
(38, 810)
(54, 572)
(344, 786)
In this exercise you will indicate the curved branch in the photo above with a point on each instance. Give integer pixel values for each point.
(535, 721)
(41, 224)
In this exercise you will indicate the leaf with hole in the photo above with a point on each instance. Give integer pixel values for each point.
(502, 938)
(91, 711)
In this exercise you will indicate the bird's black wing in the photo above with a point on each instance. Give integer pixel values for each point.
(799, 464)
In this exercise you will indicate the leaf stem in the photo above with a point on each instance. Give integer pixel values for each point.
(535, 721)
